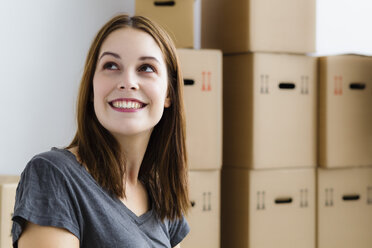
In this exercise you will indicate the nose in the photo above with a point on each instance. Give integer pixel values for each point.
(128, 81)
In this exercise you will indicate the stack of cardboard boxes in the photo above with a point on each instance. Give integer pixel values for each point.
(269, 149)
(202, 72)
(273, 193)
(345, 152)
(203, 107)
(8, 186)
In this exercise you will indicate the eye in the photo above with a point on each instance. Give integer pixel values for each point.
(147, 68)
(110, 66)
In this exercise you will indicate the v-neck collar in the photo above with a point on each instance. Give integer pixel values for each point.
(139, 220)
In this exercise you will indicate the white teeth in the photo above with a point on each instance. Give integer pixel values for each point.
(126, 104)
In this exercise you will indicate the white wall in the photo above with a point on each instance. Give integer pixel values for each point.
(43, 44)
(344, 26)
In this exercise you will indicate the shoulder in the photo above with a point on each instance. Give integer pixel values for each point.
(52, 169)
(47, 193)
(55, 161)
(55, 156)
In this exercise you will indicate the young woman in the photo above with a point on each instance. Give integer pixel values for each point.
(122, 182)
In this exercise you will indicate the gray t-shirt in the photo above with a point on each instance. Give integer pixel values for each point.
(55, 190)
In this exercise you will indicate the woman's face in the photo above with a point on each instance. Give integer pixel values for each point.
(130, 83)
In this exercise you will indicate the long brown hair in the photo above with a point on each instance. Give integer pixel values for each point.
(164, 166)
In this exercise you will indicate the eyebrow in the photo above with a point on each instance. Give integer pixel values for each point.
(149, 57)
(118, 56)
(110, 53)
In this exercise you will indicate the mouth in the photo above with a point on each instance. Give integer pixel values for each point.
(127, 104)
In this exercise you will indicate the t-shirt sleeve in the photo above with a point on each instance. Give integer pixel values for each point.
(44, 197)
(178, 229)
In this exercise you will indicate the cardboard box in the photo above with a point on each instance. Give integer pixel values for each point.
(202, 72)
(259, 25)
(345, 111)
(8, 186)
(204, 216)
(269, 111)
(176, 17)
(345, 207)
(268, 208)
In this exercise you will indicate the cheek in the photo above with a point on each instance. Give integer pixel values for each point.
(164, 88)
(157, 90)
(100, 90)
(99, 96)
(162, 93)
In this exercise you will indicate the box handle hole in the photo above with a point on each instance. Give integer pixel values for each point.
(350, 197)
(188, 82)
(283, 200)
(164, 3)
(287, 85)
(357, 86)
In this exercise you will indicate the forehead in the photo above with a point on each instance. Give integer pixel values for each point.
(128, 40)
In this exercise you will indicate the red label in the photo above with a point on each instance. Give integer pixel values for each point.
(206, 81)
(338, 85)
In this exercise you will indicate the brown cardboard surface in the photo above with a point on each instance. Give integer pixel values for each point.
(178, 20)
(259, 25)
(204, 216)
(251, 216)
(345, 207)
(8, 186)
(203, 107)
(266, 126)
(345, 114)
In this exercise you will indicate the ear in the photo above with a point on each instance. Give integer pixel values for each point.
(167, 102)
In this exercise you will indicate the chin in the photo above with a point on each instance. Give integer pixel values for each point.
(128, 132)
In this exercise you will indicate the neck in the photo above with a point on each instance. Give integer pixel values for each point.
(133, 149)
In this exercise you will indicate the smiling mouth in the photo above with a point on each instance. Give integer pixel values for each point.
(127, 104)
